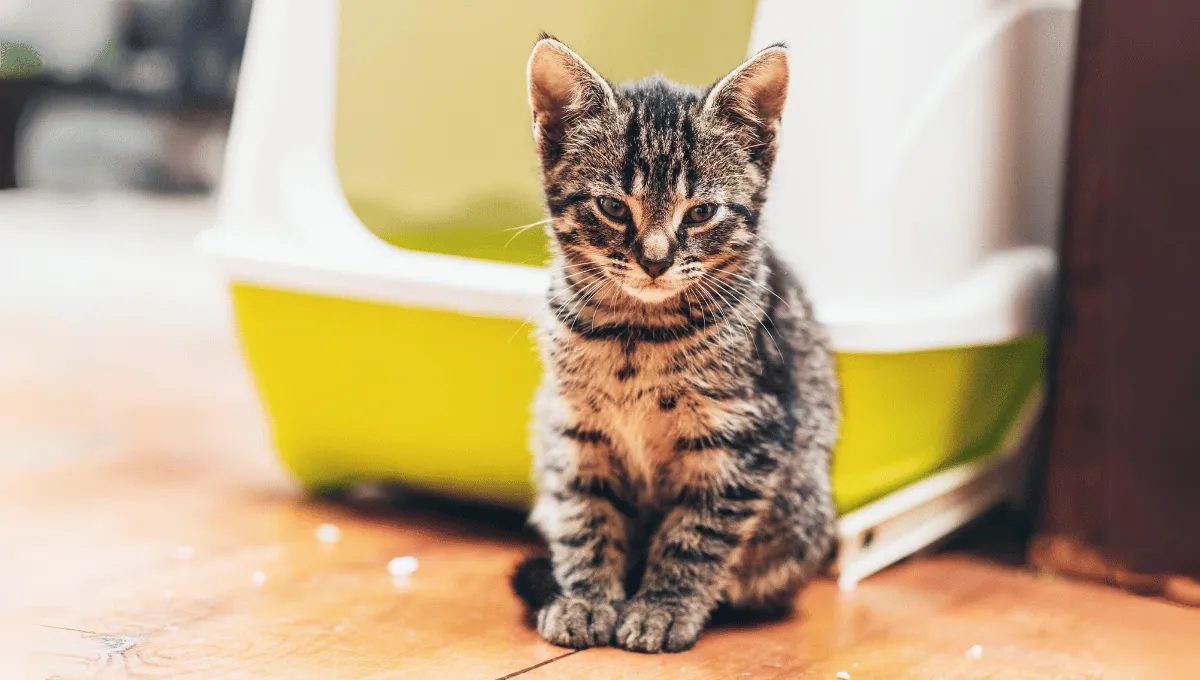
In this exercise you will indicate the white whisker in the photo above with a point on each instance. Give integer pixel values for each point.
(761, 315)
(522, 229)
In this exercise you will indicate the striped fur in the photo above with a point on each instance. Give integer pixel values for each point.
(689, 403)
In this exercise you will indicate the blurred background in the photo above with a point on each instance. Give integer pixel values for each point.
(113, 119)
(117, 94)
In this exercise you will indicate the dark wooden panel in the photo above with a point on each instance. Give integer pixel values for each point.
(1124, 461)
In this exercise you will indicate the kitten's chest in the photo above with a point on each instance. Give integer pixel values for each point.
(637, 398)
(623, 382)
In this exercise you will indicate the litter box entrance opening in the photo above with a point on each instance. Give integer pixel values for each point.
(432, 136)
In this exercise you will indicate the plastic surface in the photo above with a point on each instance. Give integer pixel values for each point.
(364, 391)
(440, 401)
(922, 140)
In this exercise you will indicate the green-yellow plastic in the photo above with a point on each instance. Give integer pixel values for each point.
(440, 401)
(433, 134)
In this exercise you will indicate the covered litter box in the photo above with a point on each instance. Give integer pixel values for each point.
(380, 159)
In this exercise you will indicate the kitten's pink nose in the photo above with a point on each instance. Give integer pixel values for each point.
(655, 268)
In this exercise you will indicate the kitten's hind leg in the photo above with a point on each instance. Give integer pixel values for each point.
(763, 588)
(791, 547)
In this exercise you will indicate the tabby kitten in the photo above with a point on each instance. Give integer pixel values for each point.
(689, 404)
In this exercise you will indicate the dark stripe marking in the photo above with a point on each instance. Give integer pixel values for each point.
(559, 206)
(579, 434)
(731, 540)
(629, 333)
(575, 540)
(685, 553)
(599, 488)
(735, 440)
(632, 150)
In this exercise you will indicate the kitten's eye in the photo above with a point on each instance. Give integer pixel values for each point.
(613, 208)
(700, 213)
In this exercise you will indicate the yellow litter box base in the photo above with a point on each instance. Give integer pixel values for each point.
(360, 391)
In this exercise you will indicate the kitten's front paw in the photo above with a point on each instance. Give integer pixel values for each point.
(658, 627)
(577, 623)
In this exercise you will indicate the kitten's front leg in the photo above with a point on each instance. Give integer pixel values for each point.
(690, 559)
(586, 524)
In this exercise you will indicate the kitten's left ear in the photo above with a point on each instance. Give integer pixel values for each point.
(755, 92)
(563, 88)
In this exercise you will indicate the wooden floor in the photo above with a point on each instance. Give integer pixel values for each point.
(145, 532)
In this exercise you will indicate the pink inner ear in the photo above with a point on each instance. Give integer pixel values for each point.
(767, 84)
(757, 90)
(552, 85)
(562, 87)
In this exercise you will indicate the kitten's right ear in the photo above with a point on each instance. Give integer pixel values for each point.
(755, 92)
(562, 89)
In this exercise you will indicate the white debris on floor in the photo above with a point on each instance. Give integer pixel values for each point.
(402, 569)
(329, 533)
(843, 675)
(403, 566)
(258, 578)
(113, 646)
(975, 652)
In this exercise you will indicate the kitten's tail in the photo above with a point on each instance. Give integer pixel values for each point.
(533, 581)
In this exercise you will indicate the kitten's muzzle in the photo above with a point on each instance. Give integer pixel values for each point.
(656, 268)
(655, 253)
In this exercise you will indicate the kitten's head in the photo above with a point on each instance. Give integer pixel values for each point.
(654, 185)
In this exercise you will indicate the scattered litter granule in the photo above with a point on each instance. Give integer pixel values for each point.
(403, 566)
(843, 675)
(258, 578)
(114, 645)
(975, 652)
(184, 552)
(329, 533)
